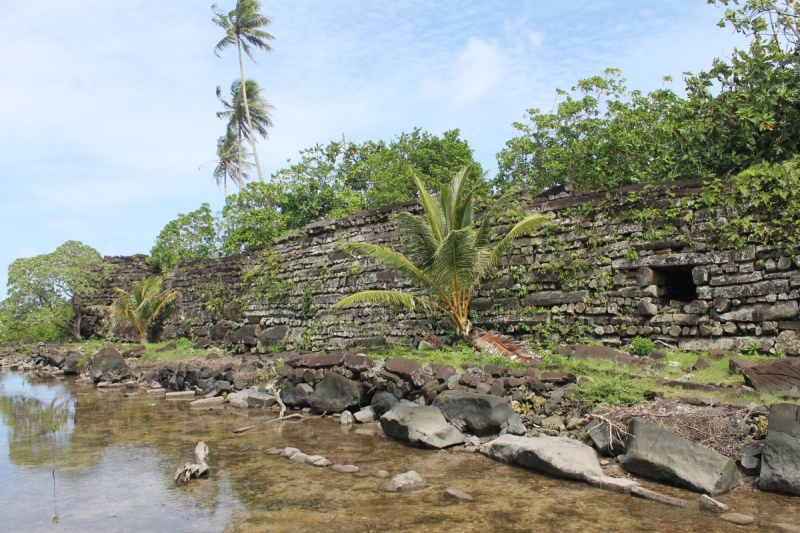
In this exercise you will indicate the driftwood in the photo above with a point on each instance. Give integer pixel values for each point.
(193, 470)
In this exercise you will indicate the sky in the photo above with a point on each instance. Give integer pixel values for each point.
(107, 109)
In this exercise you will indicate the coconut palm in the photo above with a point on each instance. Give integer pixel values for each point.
(447, 254)
(242, 28)
(234, 112)
(231, 162)
(143, 305)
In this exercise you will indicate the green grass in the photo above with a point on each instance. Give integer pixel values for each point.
(461, 356)
(182, 351)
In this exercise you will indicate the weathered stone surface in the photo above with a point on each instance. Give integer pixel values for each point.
(760, 288)
(615, 484)
(346, 469)
(406, 482)
(185, 395)
(556, 456)
(605, 439)
(788, 342)
(762, 312)
(658, 497)
(785, 528)
(136, 351)
(325, 360)
(657, 454)
(318, 461)
(357, 362)
(444, 373)
(347, 418)
(250, 398)
(420, 425)
(737, 518)
(108, 367)
(457, 495)
(273, 335)
(207, 402)
(701, 363)
(773, 376)
(780, 459)
(72, 364)
(156, 392)
(365, 415)
(481, 414)
(383, 402)
(751, 460)
(583, 351)
(294, 396)
(405, 368)
(514, 426)
(548, 298)
(335, 393)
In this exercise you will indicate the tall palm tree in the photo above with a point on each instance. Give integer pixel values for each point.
(231, 162)
(234, 112)
(242, 28)
(143, 305)
(448, 254)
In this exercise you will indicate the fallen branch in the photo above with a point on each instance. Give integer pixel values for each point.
(280, 402)
(194, 470)
(280, 419)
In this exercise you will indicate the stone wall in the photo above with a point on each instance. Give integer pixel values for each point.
(637, 261)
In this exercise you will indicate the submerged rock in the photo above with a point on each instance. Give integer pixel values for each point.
(406, 482)
(481, 414)
(109, 367)
(557, 456)
(420, 425)
(458, 495)
(780, 459)
(657, 454)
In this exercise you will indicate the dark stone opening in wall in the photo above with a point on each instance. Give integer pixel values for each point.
(678, 285)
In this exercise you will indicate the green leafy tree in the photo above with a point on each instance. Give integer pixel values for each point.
(142, 306)
(243, 29)
(52, 289)
(249, 218)
(448, 254)
(238, 123)
(191, 236)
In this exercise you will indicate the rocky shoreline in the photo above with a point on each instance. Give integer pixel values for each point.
(526, 418)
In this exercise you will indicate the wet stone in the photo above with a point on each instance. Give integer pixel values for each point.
(382, 474)
(406, 482)
(710, 504)
(736, 518)
(345, 469)
(457, 495)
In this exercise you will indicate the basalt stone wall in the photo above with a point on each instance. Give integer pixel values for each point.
(637, 261)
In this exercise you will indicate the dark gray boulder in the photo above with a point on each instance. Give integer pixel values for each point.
(294, 396)
(657, 454)
(751, 460)
(335, 393)
(383, 402)
(109, 368)
(606, 443)
(420, 424)
(73, 364)
(482, 414)
(780, 459)
(557, 456)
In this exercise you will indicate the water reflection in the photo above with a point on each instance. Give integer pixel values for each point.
(116, 457)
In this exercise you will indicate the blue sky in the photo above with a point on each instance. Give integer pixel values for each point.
(107, 108)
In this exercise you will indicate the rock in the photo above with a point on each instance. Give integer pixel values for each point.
(553, 423)
(335, 393)
(583, 352)
(657, 454)
(250, 398)
(773, 376)
(383, 402)
(738, 366)
(207, 402)
(299, 457)
(780, 459)
(657, 355)
(482, 414)
(616, 484)
(710, 504)
(294, 396)
(318, 460)
(347, 418)
(457, 495)
(444, 373)
(420, 424)
(606, 442)
(272, 336)
(167, 347)
(288, 452)
(357, 362)
(557, 456)
(736, 518)
(496, 371)
(785, 528)
(274, 451)
(406, 482)
(515, 425)
(136, 351)
(366, 415)
(788, 342)
(751, 460)
(186, 395)
(239, 383)
(405, 368)
(346, 469)
(658, 497)
(108, 367)
(156, 392)
(381, 474)
(72, 364)
(325, 361)
(701, 363)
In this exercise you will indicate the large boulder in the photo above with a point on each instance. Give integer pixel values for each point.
(774, 376)
(294, 395)
(482, 414)
(604, 438)
(420, 424)
(383, 402)
(657, 454)
(335, 393)
(110, 367)
(780, 460)
(557, 456)
(250, 398)
(73, 364)
(405, 368)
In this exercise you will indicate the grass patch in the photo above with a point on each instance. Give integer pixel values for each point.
(459, 357)
(182, 351)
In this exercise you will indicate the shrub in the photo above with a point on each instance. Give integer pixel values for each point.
(642, 346)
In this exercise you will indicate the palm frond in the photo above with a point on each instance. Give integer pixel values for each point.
(485, 229)
(457, 263)
(433, 211)
(421, 246)
(497, 344)
(527, 225)
(389, 299)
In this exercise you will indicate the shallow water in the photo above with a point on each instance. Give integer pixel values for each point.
(115, 457)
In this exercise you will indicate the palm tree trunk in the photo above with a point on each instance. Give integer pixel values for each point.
(247, 111)
(239, 155)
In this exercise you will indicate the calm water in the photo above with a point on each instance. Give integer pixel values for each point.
(115, 457)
